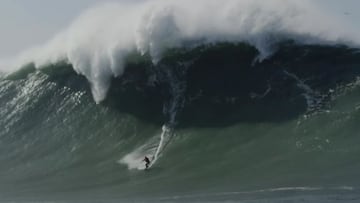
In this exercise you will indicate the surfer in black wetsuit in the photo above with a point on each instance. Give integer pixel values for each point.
(147, 162)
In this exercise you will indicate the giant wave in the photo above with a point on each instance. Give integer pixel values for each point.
(257, 103)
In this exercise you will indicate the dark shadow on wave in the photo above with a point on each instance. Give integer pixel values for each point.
(232, 88)
(223, 84)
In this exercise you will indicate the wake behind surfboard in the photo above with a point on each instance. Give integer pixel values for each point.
(152, 149)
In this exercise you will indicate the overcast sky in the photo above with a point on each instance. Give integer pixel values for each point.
(25, 23)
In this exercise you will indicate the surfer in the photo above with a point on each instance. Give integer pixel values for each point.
(147, 162)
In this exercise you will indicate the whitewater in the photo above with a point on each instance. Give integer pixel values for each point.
(98, 41)
(235, 100)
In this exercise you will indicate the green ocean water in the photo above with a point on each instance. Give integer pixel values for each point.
(293, 138)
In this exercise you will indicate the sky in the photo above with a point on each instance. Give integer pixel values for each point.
(26, 23)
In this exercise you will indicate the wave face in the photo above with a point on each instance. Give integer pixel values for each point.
(218, 124)
(98, 42)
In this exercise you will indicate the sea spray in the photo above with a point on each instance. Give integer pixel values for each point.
(98, 42)
(165, 139)
(153, 148)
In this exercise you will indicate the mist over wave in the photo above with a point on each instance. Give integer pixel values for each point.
(100, 39)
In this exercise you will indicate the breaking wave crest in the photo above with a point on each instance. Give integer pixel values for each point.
(99, 41)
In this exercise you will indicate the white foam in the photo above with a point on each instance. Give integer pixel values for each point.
(134, 160)
(164, 139)
(313, 98)
(152, 149)
(98, 40)
(268, 190)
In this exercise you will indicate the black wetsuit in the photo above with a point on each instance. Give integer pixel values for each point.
(147, 161)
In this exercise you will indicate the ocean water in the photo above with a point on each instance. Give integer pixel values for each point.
(221, 120)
